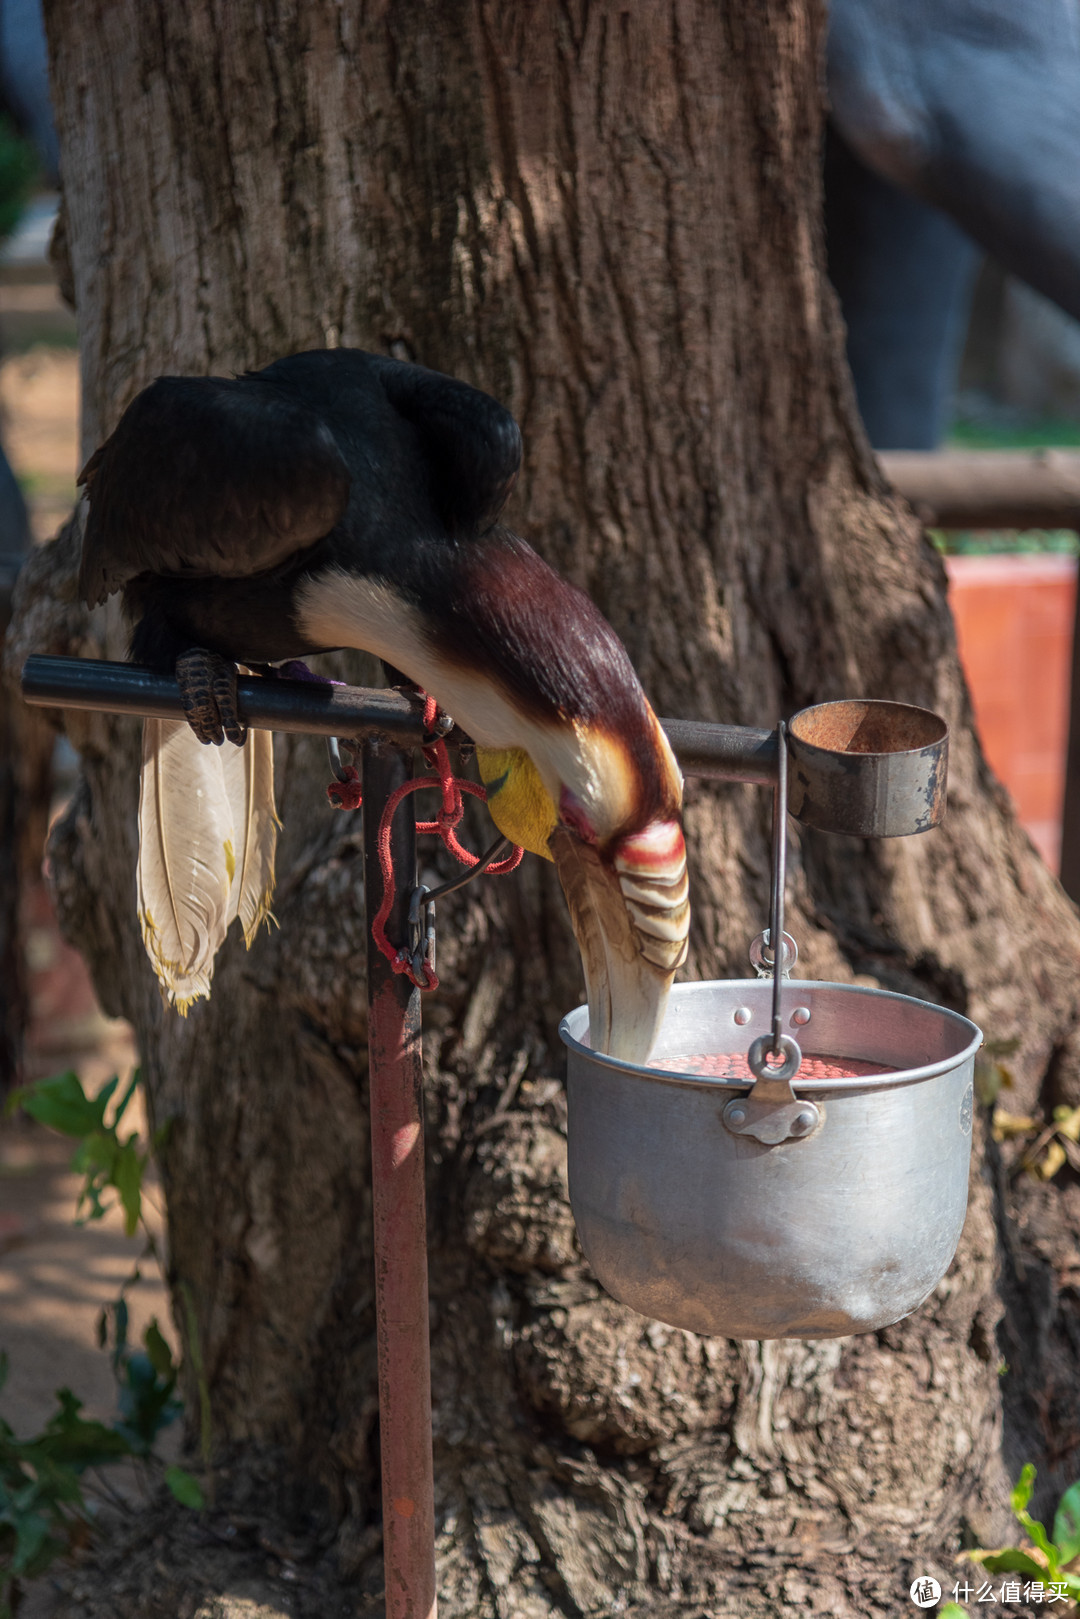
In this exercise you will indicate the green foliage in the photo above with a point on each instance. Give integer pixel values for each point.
(1050, 433)
(1052, 1558)
(1067, 1524)
(43, 1512)
(103, 1158)
(982, 542)
(185, 1487)
(145, 1380)
(18, 173)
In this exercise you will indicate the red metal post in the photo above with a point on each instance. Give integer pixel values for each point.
(397, 1160)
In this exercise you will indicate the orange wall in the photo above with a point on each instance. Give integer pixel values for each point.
(1014, 623)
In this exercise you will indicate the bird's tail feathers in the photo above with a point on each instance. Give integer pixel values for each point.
(249, 783)
(207, 839)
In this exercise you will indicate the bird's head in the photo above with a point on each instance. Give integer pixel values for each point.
(578, 770)
(621, 862)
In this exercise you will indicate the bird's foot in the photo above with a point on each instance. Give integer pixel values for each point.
(208, 688)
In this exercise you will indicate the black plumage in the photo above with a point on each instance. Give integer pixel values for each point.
(215, 498)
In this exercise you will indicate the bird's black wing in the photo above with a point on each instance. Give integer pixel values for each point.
(208, 476)
(471, 443)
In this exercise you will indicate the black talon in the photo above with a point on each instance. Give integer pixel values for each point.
(208, 690)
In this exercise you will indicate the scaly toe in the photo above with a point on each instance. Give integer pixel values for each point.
(195, 675)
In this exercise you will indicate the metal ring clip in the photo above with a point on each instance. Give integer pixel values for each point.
(422, 930)
(764, 1047)
(761, 956)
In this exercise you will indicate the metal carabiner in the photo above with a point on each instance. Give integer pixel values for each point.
(421, 930)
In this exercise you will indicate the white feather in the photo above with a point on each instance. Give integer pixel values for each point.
(249, 783)
(207, 837)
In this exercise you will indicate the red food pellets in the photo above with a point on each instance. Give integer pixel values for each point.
(733, 1065)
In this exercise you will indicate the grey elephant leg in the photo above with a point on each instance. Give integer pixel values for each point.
(905, 275)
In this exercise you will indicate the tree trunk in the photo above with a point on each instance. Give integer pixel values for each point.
(610, 217)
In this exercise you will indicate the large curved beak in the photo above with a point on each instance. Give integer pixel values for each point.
(631, 915)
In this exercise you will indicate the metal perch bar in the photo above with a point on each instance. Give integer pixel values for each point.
(323, 709)
(722, 752)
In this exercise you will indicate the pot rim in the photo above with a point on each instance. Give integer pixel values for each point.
(802, 742)
(899, 1076)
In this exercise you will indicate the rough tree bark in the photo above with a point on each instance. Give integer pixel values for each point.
(610, 216)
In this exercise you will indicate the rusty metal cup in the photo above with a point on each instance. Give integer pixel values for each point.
(868, 768)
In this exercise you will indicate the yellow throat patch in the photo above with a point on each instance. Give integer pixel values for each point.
(517, 798)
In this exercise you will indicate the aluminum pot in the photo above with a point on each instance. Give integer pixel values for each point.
(847, 1227)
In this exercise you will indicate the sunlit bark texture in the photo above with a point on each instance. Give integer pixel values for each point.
(610, 217)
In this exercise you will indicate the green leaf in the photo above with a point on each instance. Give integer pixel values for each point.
(126, 1176)
(147, 1407)
(122, 1105)
(95, 1158)
(185, 1487)
(1038, 1534)
(1067, 1524)
(1022, 1489)
(158, 1350)
(953, 1610)
(62, 1104)
(1011, 1560)
(69, 1441)
(31, 1534)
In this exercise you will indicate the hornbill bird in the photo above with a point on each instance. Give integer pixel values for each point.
(343, 499)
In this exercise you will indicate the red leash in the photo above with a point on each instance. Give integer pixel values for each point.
(346, 795)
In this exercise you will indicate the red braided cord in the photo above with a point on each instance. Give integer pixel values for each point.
(347, 794)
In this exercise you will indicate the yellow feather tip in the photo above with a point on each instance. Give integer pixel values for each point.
(168, 971)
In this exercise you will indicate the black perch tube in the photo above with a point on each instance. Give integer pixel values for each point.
(722, 752)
